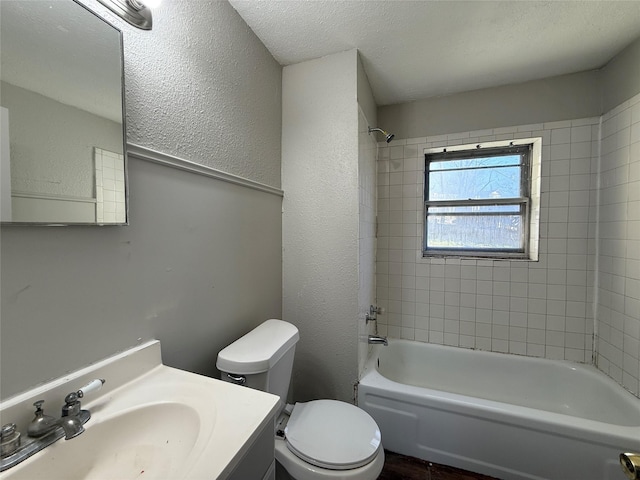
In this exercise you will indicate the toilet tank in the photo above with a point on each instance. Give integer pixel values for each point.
(264, 357)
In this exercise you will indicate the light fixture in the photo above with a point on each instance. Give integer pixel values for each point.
(136, 12)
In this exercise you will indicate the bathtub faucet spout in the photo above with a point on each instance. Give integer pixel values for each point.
(377, 340)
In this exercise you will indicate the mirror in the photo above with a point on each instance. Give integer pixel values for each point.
(63, 137)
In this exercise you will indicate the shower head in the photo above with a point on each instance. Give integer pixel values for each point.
(387, 136)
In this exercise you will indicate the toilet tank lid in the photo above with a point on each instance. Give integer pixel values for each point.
(258, 350)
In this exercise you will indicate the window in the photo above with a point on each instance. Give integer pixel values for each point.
(478, 201)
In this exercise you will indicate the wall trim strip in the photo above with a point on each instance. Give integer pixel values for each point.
(149, 155)
(52, 196)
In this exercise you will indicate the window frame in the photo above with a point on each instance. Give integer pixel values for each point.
(525, 150)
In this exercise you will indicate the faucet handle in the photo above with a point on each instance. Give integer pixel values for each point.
(9, 439)
(71, 405)
(7, 430)
(92, 386)
(41, 423)
(72, 400)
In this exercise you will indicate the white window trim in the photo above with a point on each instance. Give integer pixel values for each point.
(534, 204)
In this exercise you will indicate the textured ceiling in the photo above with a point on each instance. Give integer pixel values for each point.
(419, 49)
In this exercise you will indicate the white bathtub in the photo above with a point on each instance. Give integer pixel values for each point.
(503, 415)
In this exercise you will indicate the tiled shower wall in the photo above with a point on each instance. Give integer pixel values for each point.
(619, 248)
(110, 188)
(542, 308)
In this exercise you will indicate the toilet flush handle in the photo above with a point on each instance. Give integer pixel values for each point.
(237, 379)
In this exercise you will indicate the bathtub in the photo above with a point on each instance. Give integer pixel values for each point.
(507, 416)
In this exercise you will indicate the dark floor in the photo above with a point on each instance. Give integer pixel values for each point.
(401, 467)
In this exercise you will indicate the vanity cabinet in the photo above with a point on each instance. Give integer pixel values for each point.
(258, 463)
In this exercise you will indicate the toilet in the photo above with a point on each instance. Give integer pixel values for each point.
(320, 439)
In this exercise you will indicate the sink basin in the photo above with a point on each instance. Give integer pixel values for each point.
(161, 423)
(150, 442)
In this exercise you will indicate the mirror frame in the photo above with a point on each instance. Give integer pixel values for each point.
(124, 140)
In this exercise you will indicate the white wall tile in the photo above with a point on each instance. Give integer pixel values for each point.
(617, 342)
(543, 308)
(489, 304)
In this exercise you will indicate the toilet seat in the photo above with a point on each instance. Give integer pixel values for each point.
(332, 434)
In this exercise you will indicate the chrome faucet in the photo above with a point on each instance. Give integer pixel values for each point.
(378, 340)
(372, 314)
(45, 429)
(71, 419)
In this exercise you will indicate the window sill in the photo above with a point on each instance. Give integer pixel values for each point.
(522, 257)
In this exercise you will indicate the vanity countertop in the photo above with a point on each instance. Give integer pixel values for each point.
(149, 421)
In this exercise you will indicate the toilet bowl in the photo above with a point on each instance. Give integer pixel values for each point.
(297, 469)
(321, 439)
(329, 439)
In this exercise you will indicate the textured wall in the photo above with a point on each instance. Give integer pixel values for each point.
(320, 222)
(200, 263)
(205, 77)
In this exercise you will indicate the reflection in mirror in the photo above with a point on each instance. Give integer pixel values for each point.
(61, 89)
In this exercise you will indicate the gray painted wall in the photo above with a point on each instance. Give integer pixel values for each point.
(621, 77)
(200, 263)
(547, 100)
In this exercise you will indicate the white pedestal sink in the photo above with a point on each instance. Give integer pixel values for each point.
(150, 421)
